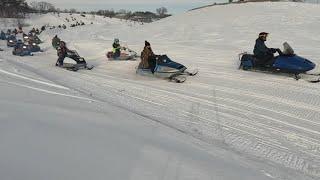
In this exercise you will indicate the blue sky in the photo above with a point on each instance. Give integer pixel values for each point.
(173, 6)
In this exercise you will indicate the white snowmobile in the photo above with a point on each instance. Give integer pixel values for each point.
(125, 55)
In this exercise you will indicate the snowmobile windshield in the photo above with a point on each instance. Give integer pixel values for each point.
(287, 49)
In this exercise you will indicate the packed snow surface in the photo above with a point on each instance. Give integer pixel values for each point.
(110, 123)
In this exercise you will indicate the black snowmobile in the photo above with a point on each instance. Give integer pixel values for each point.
(81, 62)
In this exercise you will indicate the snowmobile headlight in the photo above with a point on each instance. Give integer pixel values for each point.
(10, 41)
(24, 47)
(34, 44)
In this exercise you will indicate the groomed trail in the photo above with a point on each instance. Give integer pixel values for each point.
(267, 118)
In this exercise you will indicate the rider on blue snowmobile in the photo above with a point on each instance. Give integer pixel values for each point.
(148, 58)
(116, 48)
(264, 54)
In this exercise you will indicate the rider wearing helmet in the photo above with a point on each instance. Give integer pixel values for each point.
(116, 48)
(62, 52)
(264, 54)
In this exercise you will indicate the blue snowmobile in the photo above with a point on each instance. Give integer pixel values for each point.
(11, 41)
(287, 62)
(81, 62)
(166, 68)
(21, 49)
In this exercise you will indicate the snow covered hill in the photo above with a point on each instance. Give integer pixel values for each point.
(267, 123)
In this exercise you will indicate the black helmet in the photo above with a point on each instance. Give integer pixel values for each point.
(263, 34)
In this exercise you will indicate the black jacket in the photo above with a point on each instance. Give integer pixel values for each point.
(261, 50)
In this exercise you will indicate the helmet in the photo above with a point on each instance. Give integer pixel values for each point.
(263, 34)
(116, 41)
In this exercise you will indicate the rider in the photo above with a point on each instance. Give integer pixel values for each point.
(148, 58)
(116, 48)
(264, 54)
(62, 52)
(55, 41)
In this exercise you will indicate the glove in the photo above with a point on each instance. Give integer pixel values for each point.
(273, 50)
(279, 51)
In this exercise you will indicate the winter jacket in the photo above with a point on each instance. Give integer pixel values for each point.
(116, 49)
(261, 50)
(62, 51)
(146, 54)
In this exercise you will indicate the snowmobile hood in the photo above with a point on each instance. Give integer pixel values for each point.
(293, 64)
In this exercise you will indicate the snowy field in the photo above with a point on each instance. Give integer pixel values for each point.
(110, 123)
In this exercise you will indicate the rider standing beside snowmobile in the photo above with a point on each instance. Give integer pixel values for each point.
(116, 48)
(148, 58)
(62, 52)
(264, 54)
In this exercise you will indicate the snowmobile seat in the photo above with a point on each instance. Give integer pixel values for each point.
(247, 61)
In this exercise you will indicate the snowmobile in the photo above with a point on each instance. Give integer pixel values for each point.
(81, 62)
(25, 38)
(11, 41)
(168, 69)
(287, 62)
(22, 50)
(35, 39)
(33, 47)
(126, 54)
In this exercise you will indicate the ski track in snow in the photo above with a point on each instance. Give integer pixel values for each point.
(47, 91)
(267, 116)
(30, 79)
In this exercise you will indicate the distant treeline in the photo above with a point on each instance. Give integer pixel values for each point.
(14, 8)
(141, 16)
(19, 8)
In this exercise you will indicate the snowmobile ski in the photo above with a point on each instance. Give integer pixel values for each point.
(76, 67)
(312, 78)
(178, 78)
(192, 73)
